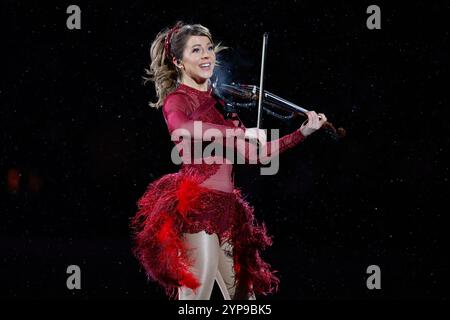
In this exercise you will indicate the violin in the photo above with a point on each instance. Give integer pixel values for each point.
(242, 96)
(238, 97)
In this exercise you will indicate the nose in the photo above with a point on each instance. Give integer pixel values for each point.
(207, 54)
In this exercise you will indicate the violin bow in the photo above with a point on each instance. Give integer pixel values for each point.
(261, 80)
(248, 92)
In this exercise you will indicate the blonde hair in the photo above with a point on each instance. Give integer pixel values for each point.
(162, 71)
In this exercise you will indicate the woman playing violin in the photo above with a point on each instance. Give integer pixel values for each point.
(194, 227)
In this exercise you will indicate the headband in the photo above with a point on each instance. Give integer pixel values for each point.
(168, 37)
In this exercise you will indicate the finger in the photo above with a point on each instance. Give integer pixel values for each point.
(304, 123)
(310, 116)
(262, 136)
(261, 132)
(324, 118)
(307, 122)
(315, 121)
(250, 133)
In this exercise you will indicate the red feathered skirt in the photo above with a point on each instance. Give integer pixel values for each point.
(175, 204)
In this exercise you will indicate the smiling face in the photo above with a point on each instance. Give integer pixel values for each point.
(198, 60)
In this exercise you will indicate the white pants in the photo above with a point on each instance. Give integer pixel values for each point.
(210, 263)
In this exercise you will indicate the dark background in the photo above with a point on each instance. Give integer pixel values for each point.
(79, 143)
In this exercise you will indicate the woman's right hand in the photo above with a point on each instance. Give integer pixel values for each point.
(313, 123)
(256, 134)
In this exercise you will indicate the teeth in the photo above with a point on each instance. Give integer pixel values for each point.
(205, 65)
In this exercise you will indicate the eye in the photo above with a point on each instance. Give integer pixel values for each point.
(195, 50)
(210, 48)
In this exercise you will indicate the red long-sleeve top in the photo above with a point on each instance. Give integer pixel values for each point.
(185, 105)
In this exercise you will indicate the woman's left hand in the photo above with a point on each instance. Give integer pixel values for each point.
(313, 123)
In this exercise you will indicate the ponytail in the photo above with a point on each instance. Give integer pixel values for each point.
(162, 72)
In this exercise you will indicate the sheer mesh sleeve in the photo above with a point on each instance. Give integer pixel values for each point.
(176, 112)
(269, 150)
